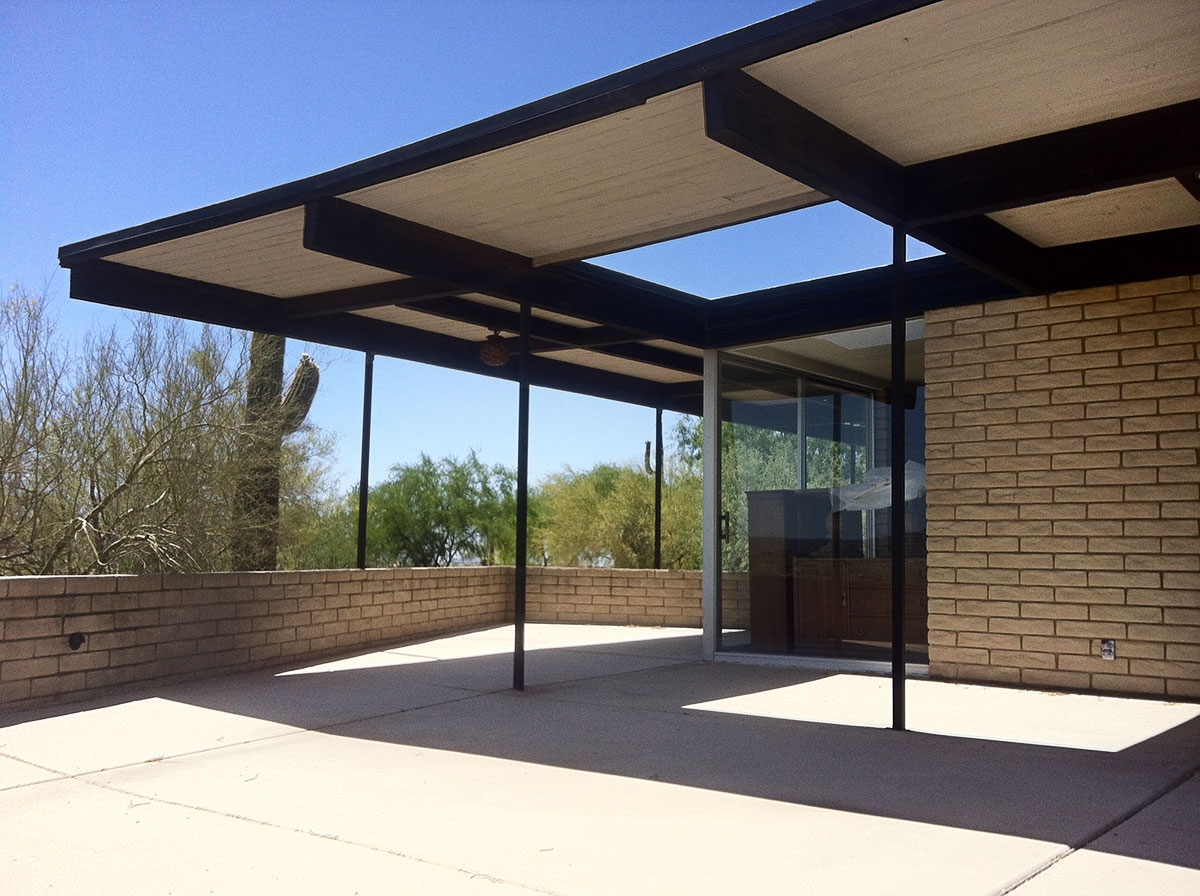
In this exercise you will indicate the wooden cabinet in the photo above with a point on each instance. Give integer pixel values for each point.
(810, 583)
(850, 599)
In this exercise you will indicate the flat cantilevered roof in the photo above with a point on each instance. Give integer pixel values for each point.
(1041, 144)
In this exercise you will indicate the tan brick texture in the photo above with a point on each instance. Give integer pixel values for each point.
(1064, 489)
(139, 630)
(614, 596)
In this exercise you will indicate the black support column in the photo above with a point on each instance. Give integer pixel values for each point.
(899, 336)
(522, 501)
(365, 459)
(658, 483)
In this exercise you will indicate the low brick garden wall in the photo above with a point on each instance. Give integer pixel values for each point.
(614, 596)
(160, 628)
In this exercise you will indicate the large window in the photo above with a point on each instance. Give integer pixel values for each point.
(806, 496)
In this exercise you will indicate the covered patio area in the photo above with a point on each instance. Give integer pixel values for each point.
(986, 456)
(627, 765)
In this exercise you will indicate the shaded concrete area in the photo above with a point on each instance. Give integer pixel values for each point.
(627, 766)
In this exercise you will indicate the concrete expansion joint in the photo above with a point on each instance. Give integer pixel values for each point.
(1091, 838)
(145, 799)
(60, 775)
(534, 688)
(41, 768)
(472, 695)
(82, 776)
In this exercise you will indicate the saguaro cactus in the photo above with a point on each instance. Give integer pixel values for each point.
(270, 415)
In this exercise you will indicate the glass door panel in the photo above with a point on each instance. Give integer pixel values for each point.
(806, 497)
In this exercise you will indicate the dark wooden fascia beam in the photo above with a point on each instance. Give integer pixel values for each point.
(848, 300)
(374, 295)
(1124, 259)
(1190, 181)
(990, 247)
(356, 233)
(691, 390)
(761, 123)
(123, 286)
(551, 336)
(748, 116)
(503, 319)
(1157, 144)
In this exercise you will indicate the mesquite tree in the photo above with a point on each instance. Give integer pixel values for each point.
(119, 452)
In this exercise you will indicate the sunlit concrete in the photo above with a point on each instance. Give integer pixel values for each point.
(627, 766)
(1078, 721)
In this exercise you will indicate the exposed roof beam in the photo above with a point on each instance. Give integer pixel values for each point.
(124, 286)
(1191, 182)
(846, 300)
(373, 295)
(469, 312)
(1153, 145)
(367, 236)
(626, 89)
(761, 123)
(553, 336)
(748, 116)
(990, 247)
(1123, 259)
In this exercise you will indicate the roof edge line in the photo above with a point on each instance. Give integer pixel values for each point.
(611, 93)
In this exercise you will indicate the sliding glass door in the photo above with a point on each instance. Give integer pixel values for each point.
(806, 497)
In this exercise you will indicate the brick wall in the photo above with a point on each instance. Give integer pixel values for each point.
(614, 596)
(735, 600)
(1064, 489)
(157, 629)
(160, 628)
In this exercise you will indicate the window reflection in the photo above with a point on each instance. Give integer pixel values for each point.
(806, 490)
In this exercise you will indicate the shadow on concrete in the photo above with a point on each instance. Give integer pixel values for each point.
(620, 709)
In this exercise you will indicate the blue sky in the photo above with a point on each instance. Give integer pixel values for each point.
(116, 113)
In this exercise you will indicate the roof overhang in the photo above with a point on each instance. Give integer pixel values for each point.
(1042, 144)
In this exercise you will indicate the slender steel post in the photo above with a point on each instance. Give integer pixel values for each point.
(898, 451)
(658, 481)
(522, 501)
(365, 460)
(710, 522)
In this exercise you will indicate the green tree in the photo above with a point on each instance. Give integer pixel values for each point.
(605, 516)
(434, 513)
(752, 459)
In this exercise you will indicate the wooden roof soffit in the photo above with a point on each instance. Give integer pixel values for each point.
(357, 233)
(1157, 144)
(124, 286)
(945, 202)
(551, 336)
(374, 295)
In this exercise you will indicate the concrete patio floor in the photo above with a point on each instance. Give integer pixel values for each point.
(627, 766)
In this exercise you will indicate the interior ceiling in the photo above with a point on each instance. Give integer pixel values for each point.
(951, 119)
(861, 357)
